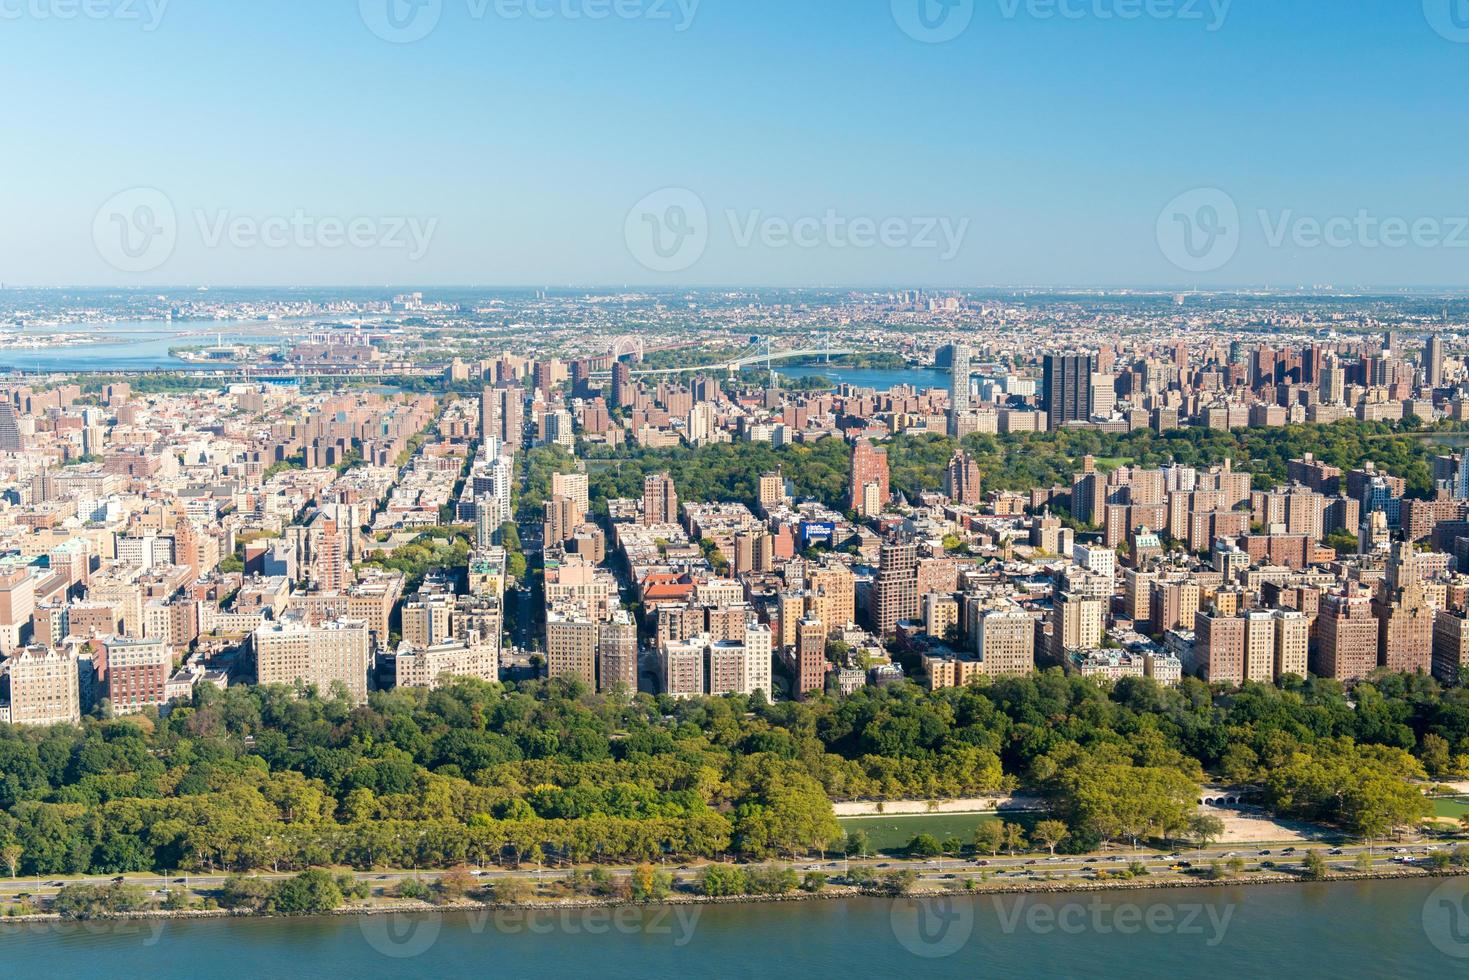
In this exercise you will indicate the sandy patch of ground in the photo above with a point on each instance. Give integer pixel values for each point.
(891, 808)
(1248, 828)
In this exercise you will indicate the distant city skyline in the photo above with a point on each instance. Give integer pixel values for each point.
(657, 143)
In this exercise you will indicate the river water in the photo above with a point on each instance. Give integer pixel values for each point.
(881, 379)
(133, 345)
(1417, 928)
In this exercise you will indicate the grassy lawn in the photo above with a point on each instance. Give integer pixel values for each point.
(1451, 806)
(894, 832)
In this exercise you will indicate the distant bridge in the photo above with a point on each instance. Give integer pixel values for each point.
(739, 363)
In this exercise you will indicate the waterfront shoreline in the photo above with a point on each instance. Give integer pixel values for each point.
(833, 893)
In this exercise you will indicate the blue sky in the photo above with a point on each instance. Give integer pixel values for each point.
(1033, 148)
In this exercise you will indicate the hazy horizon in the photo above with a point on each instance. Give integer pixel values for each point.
(1084, 144)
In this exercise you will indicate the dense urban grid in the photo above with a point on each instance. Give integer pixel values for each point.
(603, 581)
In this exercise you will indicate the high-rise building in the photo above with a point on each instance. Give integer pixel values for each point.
(428, 620)
(502, 416)
(772, 491)
(623, 393)
(962, 480)
(17, 604)
(617, 654)
(11, 440)
(682, 663)
(45, 687)
(1433, 357)
(832, 594)
(959, 382)
(1292, 643)
(571, 648)
(435, 665)
(1405, 636)
(563, 517)
(810, 657)
(1450, 647)
(574, 486)
(1076, 624)
(868, 491)
(1005, 642)
(759, 651)
(1219, 647)
(700, 429)
(137, 673)
(895, 592)
(660, 500)
(1346, 637)
(293, 653)
(1067, 387)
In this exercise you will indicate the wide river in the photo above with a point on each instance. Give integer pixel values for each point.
(1372, 929)
(134, 345)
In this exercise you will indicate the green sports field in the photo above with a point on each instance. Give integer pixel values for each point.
(894, 832)
(1451, 806)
